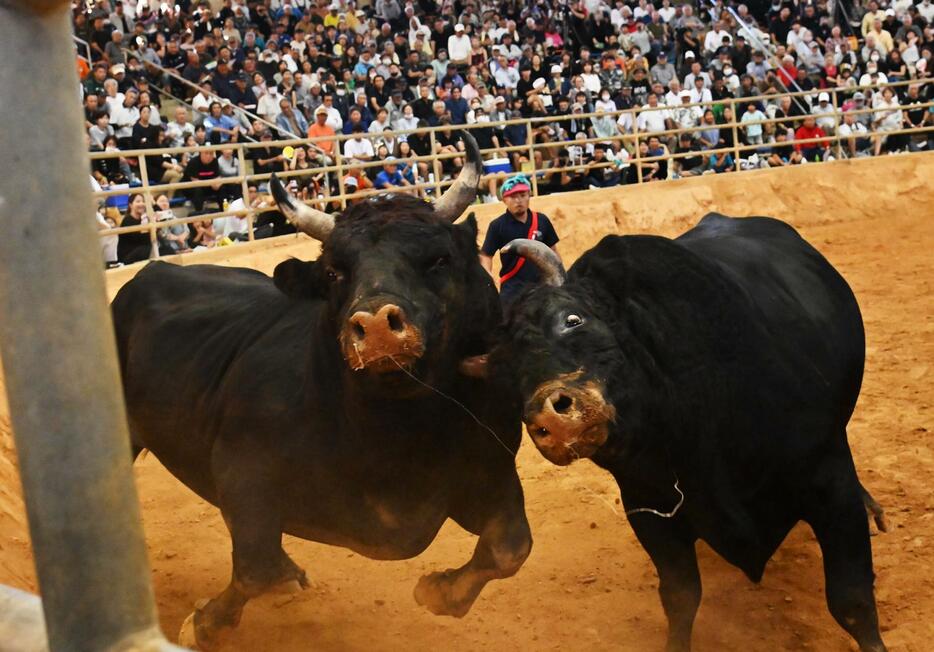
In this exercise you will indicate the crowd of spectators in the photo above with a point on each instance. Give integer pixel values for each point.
(264, 71)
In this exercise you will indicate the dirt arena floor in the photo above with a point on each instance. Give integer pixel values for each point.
(588, 584)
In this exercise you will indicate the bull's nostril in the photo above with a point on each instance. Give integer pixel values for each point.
(358, 330)
(395, 321)
(563, 404)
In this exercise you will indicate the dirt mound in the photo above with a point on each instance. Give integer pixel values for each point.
(588, 583)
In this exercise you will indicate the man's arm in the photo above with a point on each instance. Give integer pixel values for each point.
(489, 248)
(486, 262)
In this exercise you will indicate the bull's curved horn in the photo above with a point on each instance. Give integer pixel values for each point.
(463, 191)
(542, 256)
(306, 219)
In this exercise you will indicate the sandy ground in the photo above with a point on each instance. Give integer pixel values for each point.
(588, 583)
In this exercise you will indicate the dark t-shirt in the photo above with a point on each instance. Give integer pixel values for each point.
(198, 171)
(503, 230)
(132, 247)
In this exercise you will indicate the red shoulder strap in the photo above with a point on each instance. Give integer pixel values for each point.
(533, 227)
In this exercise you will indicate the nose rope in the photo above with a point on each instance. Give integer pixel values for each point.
(628, 512)
(637, 510)
(649, 510)
(457, 403)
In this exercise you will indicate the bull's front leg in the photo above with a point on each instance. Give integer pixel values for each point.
(505, 543)
(249, 505)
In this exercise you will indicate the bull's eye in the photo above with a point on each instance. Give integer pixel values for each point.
(333, 275)
(439, 263)
(573, 321)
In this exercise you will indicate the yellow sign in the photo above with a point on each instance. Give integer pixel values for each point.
(288, 151)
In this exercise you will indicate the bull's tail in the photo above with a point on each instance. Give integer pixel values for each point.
(874, 510)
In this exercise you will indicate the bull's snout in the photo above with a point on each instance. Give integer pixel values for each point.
(568, 421)
(377, 341)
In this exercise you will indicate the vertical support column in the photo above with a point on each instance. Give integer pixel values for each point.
(635, 134)
(530, 139)
(150, 210)
(836, 124)
(65, 400)
(736, 152)
(435, 165)
(245, 189)
(339, 159)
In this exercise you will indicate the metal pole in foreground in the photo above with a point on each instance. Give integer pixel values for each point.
(65, 400)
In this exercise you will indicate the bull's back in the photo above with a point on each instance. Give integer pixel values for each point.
(804, 305)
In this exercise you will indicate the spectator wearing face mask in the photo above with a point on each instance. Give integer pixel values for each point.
(268, 105)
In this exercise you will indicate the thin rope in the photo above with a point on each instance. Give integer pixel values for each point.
(457, 403)
(649, 510)
(628, 512)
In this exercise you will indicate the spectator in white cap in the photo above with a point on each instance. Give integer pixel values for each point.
(685, 116)
(824, 113)
(459, 46)
(556, 82)
(498, 113)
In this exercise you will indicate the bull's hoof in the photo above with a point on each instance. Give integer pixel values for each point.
(437, 592)
(289, 587)
(186, 635)
(195, 635)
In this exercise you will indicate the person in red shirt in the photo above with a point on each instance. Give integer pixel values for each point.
(788, 73)
(815, 151)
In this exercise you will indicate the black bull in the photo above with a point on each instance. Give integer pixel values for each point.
(300, 404)
(713, 375)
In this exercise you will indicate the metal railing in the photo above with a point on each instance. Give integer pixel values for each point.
(435, 159)
(86, 46)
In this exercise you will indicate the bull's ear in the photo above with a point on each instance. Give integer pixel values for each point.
(469, 227)
(297, 278)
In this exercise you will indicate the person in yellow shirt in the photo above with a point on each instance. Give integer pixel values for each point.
(882, 36)
(354, 19)
(332, 19)
(873, 13)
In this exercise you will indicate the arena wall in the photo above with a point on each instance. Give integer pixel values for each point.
(804, 195)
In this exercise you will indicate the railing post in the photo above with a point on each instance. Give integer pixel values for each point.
(245, 189)
(530, 139)
(435, 164)
(635, 133)
(735, 135)
(66, 404)
(339, 159)
(150, 211)
(836, 123)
